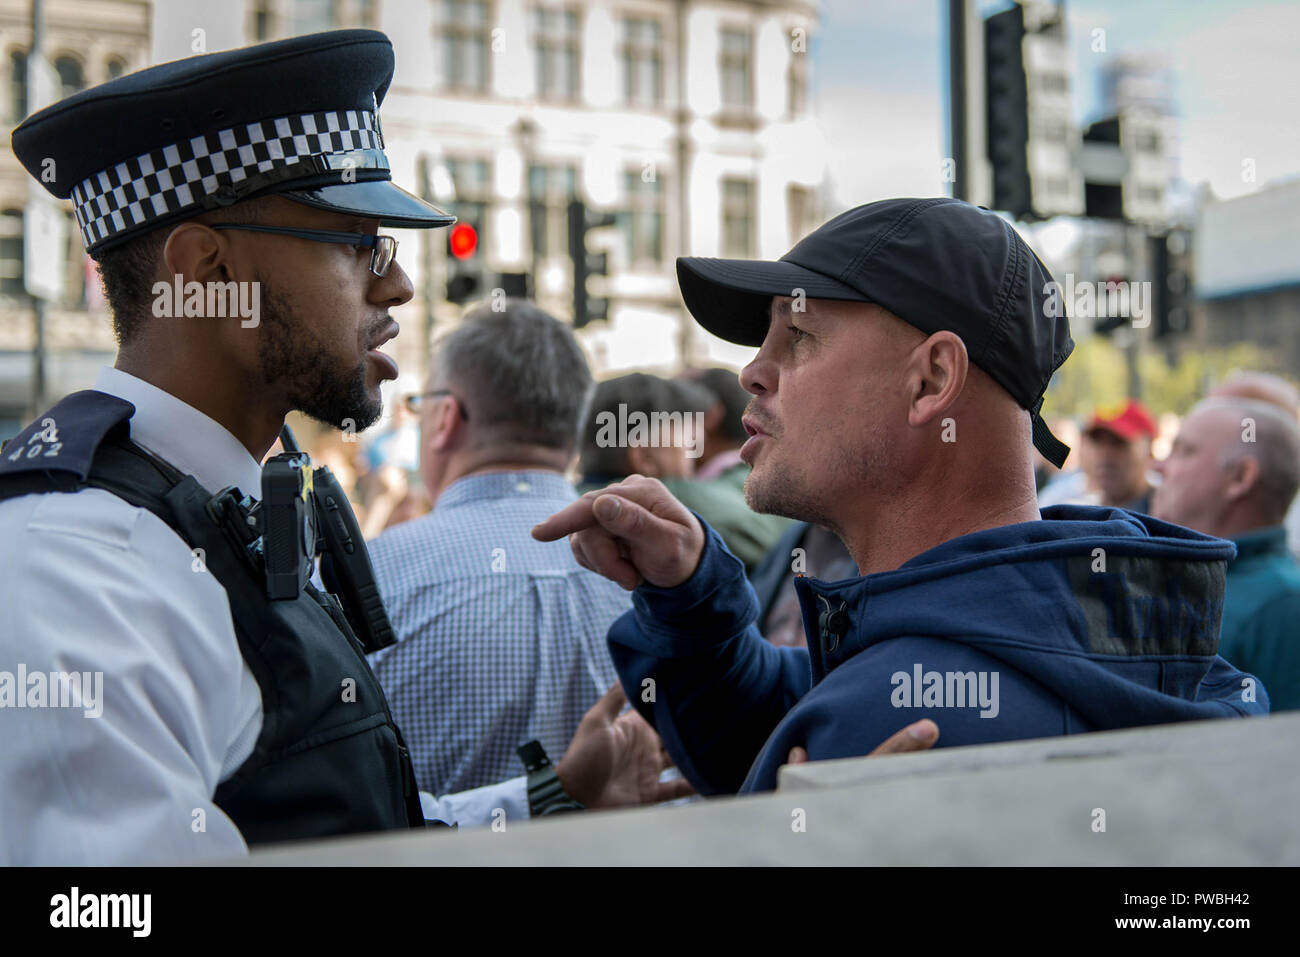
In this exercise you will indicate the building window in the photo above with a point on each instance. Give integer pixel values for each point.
(549, 190)
(1054, 83)
(735, 63)
(466, 35)
(74, 272)
(115, 67)
(313, 16)
(11, 254)
(70, 77)
(1148, 141)
(18, 85)
(737, 219)
(799, 211)
(262, 20)
(470, 178)
(643, 62)
(641, 220)
(555, 42)
(796, 84)
(1057, 187)
(1050, 130)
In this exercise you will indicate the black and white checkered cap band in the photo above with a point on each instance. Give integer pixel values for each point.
(174, 178)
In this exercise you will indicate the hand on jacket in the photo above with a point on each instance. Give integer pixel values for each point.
(615, 760)
(917, 736)
(631, 532)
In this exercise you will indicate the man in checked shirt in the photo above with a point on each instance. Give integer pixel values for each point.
(501, 637)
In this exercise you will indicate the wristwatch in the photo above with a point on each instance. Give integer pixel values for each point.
(546, 794)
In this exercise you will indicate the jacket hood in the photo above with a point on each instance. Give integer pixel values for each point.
(1117, 613)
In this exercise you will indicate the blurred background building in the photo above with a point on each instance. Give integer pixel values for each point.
(701, 127)
(85, 42)
(687, 125)
(1247, 268)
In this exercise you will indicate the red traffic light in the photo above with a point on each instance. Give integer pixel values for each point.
(463, 240)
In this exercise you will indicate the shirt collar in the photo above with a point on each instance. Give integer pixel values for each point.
(1261, 543)
(492, 485)
(184, 436)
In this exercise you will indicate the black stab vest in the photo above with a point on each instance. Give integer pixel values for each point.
(329, 760)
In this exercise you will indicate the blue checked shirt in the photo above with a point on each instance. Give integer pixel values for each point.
(500, 638)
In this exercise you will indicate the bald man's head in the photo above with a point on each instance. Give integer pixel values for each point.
(1234, 468)
(1262, 387)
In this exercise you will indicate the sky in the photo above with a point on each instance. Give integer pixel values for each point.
(879, 87)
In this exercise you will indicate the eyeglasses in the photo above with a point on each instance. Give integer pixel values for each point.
(415, 400)
(383, 248)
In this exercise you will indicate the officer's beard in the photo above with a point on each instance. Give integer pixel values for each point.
(292, 354)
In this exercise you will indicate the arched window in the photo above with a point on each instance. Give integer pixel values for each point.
(11, 254)
(18, 85)
(116, 67)
(74, 276)
(70, 77)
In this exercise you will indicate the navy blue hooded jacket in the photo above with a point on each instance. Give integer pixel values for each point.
(1089, 620)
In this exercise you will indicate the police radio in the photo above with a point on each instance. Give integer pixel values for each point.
(304, 512)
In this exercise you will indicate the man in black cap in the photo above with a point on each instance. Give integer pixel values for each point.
(904, 351)
(182, 688)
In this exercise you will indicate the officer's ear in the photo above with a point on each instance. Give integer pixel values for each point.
(197, 253)
(935, 375)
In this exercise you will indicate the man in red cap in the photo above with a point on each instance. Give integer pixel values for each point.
(1118, 455)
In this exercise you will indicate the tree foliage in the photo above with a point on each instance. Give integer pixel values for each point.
(1097, 374)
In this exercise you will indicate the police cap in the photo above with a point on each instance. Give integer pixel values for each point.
(297, 117)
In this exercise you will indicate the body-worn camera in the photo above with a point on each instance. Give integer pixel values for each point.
(288, 520)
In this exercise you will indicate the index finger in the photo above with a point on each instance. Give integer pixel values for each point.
(570, 519)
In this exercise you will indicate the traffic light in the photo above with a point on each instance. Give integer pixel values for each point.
(1103, 190)
(1007, 111)
(462, 241)
(464, 268)
(1104, 323)
(585, 263)
(1171, 282)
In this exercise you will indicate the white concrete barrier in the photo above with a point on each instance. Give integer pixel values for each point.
(1205, 793)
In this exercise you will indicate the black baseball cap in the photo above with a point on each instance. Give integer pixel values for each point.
(934, 263)
(296, 117)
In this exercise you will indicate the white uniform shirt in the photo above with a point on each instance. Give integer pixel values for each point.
(91, 584)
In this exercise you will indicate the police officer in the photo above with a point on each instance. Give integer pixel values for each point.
(157, 703)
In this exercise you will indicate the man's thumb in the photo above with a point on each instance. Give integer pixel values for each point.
(607, 509)
(621, 516)
(611, 703)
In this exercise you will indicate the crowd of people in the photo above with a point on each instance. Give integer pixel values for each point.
(846, 550)
(502, 638)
